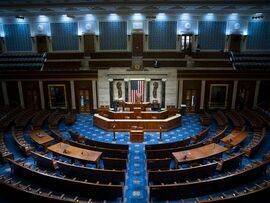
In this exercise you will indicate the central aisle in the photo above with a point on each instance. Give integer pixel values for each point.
(136, 179)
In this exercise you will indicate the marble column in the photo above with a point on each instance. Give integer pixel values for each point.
(72, 91)
(94, 90)
(163, 93)
(257, 88)
(5, 94)
(111, 93)
(180, 94)
(235, 85)
(147, 90)
(21, 93)
(42, 101)
(126, 90)
(202, 95)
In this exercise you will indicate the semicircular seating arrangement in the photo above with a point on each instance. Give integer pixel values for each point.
(45, 159)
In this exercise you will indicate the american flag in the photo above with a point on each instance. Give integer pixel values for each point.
(137, 86)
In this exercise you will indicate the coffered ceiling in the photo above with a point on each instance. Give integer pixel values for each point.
(77, 7)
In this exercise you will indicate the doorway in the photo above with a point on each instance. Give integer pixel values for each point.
(84, 104)
(235, 43)
(186, 43)
(191, 101)
(32, 99)
(42, 45)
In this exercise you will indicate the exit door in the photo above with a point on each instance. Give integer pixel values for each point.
(84, 104)
(186, 43)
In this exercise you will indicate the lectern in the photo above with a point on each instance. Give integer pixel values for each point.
(136, 135)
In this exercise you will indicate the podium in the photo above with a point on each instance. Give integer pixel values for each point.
(136, 135)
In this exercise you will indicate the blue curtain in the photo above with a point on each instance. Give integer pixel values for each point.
(212, 35)
(64, 36)
(18, 37)
(113, 35)
(162, 35)
(258, 35)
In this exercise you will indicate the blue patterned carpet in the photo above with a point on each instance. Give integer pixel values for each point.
(136, 189)
(136, 185)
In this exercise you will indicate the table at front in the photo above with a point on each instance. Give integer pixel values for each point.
(72, 152)
(148, 125)
(197, 154)
(40, 137)
(136, 136)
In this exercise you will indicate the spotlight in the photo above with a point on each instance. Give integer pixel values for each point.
(19, 17)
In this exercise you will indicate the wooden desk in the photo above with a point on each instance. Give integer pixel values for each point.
(234, 138)
(135, 114)
(76, 153)
(41, 137)
(197, 154)
(142, 105)
(148, 125)
(136, 136)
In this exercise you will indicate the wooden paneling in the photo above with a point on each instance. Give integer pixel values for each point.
(163, 55)
(1, 45)
(264, 96)
(207, 92)
(111, 55)
(221, 74)
(1, 95)
(118, 63)
(137, 44)
(212, 64)
(147, 125)
(235, 44)
(68, 65)
(89, 44)
(13, 93)
(42, 45)
(83, 85)
(26, 75)
(65, 55)
(172, 63)
(192, 85)
(46, 93)
(245, 94)
(31, 94)
(210, 55)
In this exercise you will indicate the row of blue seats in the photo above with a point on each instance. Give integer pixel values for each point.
(20, 60)
(22, 55)
(26, 66)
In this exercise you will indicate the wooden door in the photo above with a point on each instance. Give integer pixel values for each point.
(235, 44)
(1, 45)
(13, 93)
(84, 105)
(191, 101)
(2, 102)
(186, 43)
(137, 44)
(32, 99)
(41, 43)
(89, 44)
